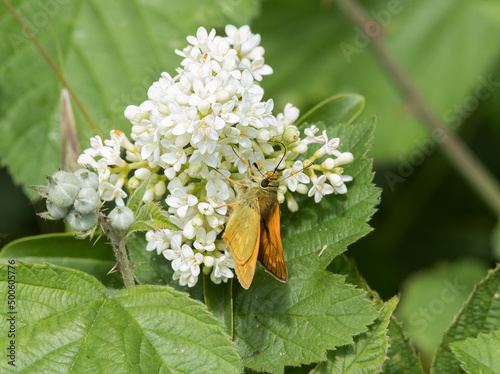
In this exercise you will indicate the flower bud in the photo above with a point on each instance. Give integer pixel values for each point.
(63, 188)
(134, 183)
(88, 178)
(148, 196)
(197, 220)
(121, 218)
(302, 189)
(344, 159)
(81, 222)
(291, 134)
(142, 173)
(87, 200)
(291, 203)
(328, 164)
(159, 189)
(300, 148)
(57, 212)
(208, 261)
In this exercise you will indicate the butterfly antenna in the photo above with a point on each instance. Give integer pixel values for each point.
(283, 157)
(229, 179)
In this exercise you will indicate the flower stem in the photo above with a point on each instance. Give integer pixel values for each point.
(459, 155)
(118, 244)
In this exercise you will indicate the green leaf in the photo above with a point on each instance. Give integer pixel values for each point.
(219, 299)
(430, 299)
(337, 220)
(136, 199)
(95, 258)
(335, 110)
(67, 322)
(480, 314)
(151, 217)
(479, 355)
(368, 351)
(278, 324)
(401, 354)
(138, 40)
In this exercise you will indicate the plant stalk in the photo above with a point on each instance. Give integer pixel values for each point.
(457, 152)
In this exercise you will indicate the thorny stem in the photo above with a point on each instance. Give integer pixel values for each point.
(118, 244)
(459, 155)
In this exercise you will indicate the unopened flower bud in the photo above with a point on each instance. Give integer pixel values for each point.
(81, 222)
(291, 203)
(208, 261)
(197, 220)
(300, 148)
(291, 134)
(56, 211)
(335, 179)
(159, 189)
(134, 183)
(281, 197)
(142, 173)
(148, 196)
(63, 188)
(87, 200)
(302, 188)
(121, 218)
(87, 178)
(344, 159)
(194, 169)
(328, 164)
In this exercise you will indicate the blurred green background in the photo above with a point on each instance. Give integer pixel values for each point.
(431, 230)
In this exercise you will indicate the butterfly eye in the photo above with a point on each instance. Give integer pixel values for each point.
(264, 183)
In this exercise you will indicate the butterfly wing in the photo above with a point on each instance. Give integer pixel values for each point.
(242, 235)
(271, 249)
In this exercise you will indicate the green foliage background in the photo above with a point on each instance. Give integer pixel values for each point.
(431, 228)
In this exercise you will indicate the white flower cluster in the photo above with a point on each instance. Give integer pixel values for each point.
(200, 124)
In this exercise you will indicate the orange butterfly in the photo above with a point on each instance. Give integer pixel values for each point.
(253, 231)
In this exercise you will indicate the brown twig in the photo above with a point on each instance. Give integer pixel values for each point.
(459, 155)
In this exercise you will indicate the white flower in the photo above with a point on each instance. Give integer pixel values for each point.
(190, 262)
(311, 136)
(294, 176)
(222, 268)
(205, 241)
(159, 240)
(337, 182)
(174, 252)
(181, 200)
(319, 188)
(330, 147)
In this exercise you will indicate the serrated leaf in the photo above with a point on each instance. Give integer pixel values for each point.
(480, 314)
(138, 40)
(279, 324)
(73, 325)
(401, 354)
(136, 199)
(402, 357)
(479, 355)
(95, 258)
(337, 220)
(368, 351)
(151, 217)
(431, 298)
